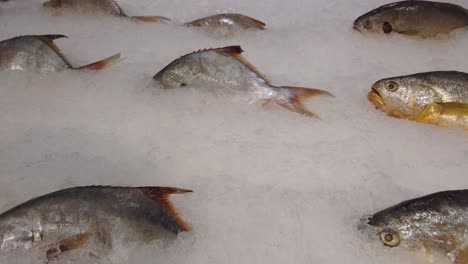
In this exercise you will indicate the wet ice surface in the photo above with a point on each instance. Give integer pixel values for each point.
(271, 186)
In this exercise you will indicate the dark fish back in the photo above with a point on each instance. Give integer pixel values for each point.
(436, 202)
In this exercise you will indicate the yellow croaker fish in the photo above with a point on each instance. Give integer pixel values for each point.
(225, 68)
(436, 223)
(39, 53)
(98, 7)
(439, 98)
(90, 219)
(417, 18)
(227, 24)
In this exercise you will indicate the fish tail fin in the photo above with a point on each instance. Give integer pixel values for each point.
(155, 19)
(99, 65)
(173, 221)
(297, 98)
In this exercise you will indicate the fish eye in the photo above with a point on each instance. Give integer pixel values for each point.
(367, 24)
(183, 84)
(392, 86)
(390, 238)
(387, 28)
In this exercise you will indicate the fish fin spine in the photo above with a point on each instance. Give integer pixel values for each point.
(235, 51)
(160, 195)
(154, 19)
(49, 41)
(298, 96)
(99, 65)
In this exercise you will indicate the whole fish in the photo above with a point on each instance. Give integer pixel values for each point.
(436, 223)
(225, 68)
(99, 7)
(419, 18)
(227, 24)
(90, 218)
(439, 98)
(39, 53)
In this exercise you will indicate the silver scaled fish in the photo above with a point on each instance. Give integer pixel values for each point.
(39, 53)
(227, 24)
(90, 219)
(98, 7)
(436, 223)
(417, 18)
(225, 68)
(439, 98)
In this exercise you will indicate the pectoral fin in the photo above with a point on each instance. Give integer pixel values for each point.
(67, 244)
(445, 115)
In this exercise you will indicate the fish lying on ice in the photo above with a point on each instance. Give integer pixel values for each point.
(436, 223)
(98, 7)
(227, 24)
(90, 218)
(418, 18)
(439, 98)
(225, 68)
(39, 53)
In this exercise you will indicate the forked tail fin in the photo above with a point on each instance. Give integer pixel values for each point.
(298, 96)
(154, 19)
(160, 195)
(99, 65)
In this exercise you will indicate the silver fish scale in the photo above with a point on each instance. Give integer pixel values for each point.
(29, 53)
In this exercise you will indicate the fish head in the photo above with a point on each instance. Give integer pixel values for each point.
(16, 236)
(397, 226)
(177, 74)
(402, 97)
(427, 224)
(376, 21)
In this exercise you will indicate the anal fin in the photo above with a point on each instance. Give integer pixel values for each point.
(67, 244)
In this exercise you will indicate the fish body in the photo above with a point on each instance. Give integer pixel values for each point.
(39, 53)
(90, 217)
(225, 69)
(418, 18)
(434, 223)
(439, 97)
(227, 23)
(97, 7)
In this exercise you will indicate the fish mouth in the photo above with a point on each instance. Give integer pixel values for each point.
(356, 29)
(375, 98)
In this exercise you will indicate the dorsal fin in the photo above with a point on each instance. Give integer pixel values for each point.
(235, 51)
(116, 5)
(259, 23)
(49, 40)
(160, 195)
